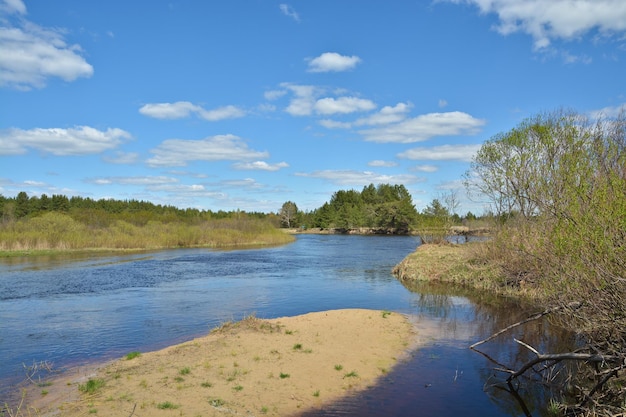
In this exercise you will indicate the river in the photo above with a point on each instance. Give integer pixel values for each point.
(66, 310)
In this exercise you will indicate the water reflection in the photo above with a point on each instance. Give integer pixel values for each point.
(484, 316)
(446, 378)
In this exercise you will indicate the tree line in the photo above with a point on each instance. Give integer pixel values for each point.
(100, 211)
(384, 206)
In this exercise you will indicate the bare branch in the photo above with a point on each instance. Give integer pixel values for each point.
(573, 306)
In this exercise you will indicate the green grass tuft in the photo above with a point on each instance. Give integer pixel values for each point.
(91, 386)
(167, 405)
(132, 355)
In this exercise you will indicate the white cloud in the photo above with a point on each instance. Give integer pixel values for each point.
(608, 112)
(221, 113)
(13, 6)
(274, 94)
(569, 58)
(343, 105)
(380, 163)
(359, 178)
(30, 54)
(182, 109)
(546, 20)
(122, 158)
(334, 124)
(178, 152)
(184, 189)
(289, 11)
(332, 61)
(80, 140)
(242, 183)
(140, 180)
(442, 103)
(300, 106)
(260, 165)
(424, 127)
(386, 115)
(188, 174)
(34, 183)
(177, 110)
(441, 153)
(425, 168)
(304, 100)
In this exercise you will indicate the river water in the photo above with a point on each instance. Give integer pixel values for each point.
(66, 311)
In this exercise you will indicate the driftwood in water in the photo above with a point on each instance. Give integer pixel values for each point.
(558, 357)
(616, 363)
(572, 306)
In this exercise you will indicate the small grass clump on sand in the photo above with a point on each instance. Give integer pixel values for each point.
(132, 355)
(91, 386)
(249, 322)
(167, 405)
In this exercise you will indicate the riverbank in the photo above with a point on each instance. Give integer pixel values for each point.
(452, 231)
(464, 265)
(253, 367)
(57, 232)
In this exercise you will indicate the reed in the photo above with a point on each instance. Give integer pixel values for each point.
(58, 231)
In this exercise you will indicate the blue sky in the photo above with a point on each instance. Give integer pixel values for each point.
(226, 105)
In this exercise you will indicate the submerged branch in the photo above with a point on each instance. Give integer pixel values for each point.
(573, 306)
(558, 357)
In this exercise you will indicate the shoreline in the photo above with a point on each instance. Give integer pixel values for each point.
(280, 366)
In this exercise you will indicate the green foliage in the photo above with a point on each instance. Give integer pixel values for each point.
(558, 183)
(382, 206)
(132, 355)
(91, 386)
(105, 211)
(436, 209)
(167, 405)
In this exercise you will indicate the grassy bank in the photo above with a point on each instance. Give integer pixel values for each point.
(463, 265)
(60, 232)
(483, 266)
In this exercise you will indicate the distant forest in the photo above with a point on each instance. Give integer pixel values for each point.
(382, 206)
(87, 210)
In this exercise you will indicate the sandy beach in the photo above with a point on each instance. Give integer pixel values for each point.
(255, 367)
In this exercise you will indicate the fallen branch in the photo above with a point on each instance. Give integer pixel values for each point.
(558, 357)
(573, 305)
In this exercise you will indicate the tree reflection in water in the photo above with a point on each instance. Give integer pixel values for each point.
(469, 315)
